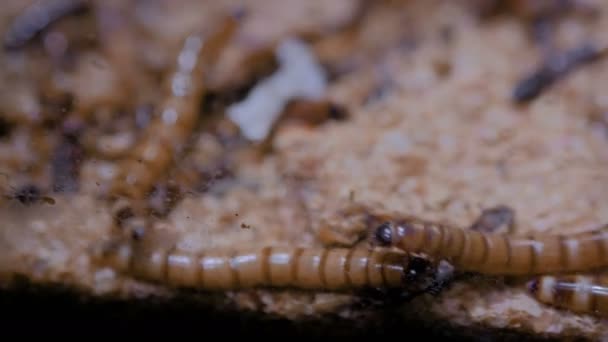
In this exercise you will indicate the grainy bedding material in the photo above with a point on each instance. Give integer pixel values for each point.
(431, 131)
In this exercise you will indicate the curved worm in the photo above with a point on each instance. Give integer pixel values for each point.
(497, 254)
(177, 116)
(337, 269)
(577, 293)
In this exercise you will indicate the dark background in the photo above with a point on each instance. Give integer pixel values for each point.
(49, 312)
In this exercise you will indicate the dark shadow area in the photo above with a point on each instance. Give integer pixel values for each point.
(62, 313)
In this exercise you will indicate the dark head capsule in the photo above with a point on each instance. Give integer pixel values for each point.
(419, 271)
(384, 234)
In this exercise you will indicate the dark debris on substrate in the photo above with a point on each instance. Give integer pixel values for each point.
(556, 67)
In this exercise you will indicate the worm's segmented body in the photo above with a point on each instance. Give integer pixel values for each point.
(176, 118)
(336, 269)
(498, 254)
(577, 293)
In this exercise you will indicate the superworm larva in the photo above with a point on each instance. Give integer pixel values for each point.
(577, 293)
(335, 269)
(498, 254)
(177, 116)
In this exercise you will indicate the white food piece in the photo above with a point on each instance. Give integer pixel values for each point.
(299, 76)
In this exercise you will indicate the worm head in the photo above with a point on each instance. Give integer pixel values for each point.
(420, 272)
(383, 235)
(403, 232)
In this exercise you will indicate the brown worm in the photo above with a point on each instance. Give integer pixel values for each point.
(497, 254)
(335, 269)
(577, 293)
(177, 116)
